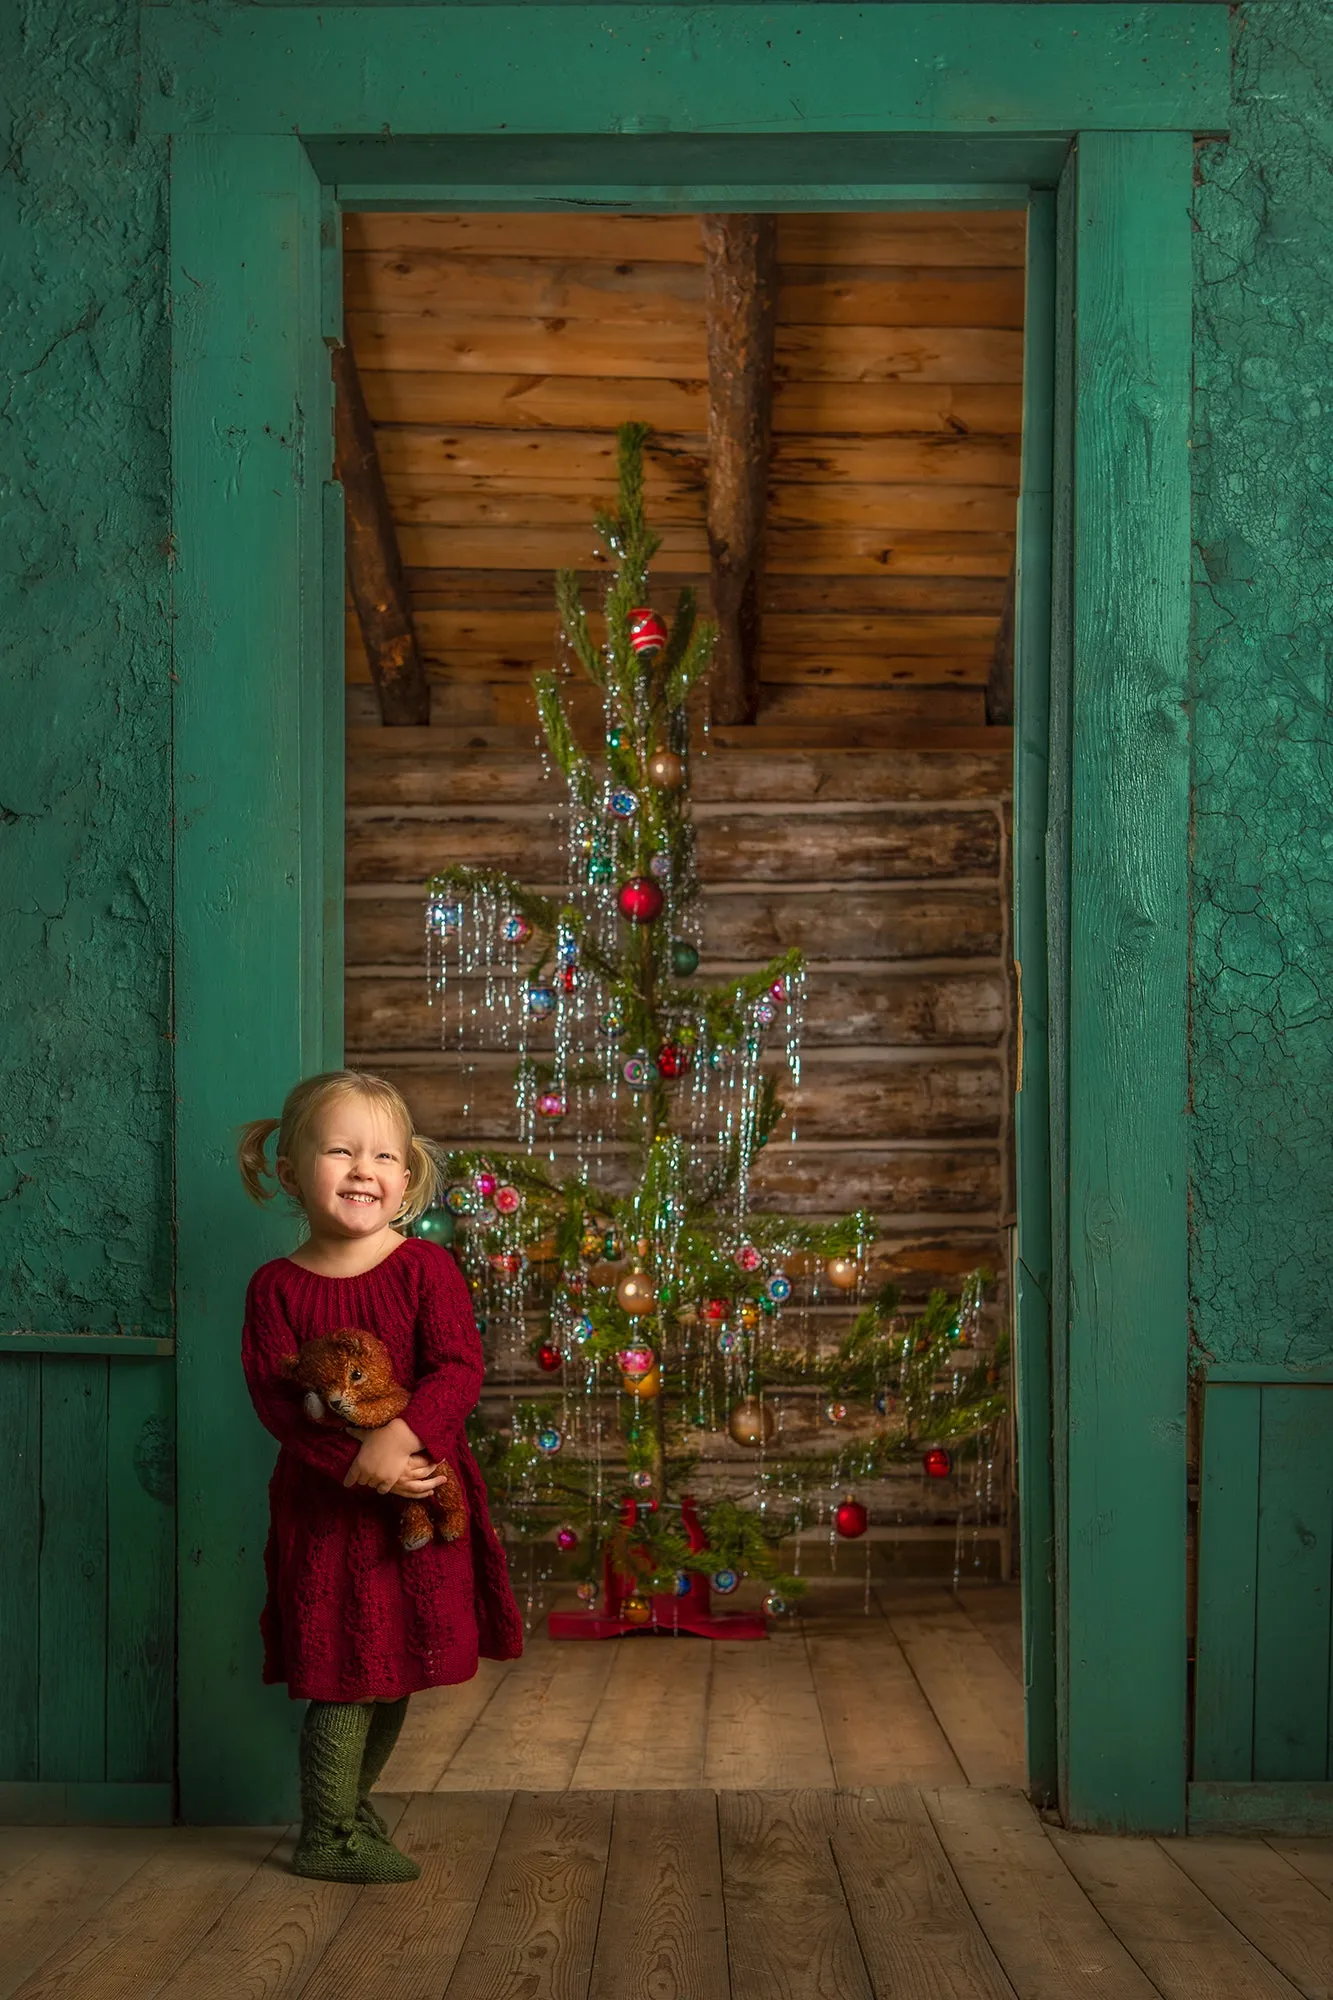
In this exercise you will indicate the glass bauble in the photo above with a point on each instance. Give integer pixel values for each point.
(549, 1358)
(636, 1294)
(644, 1387)
(684, 958)
(566, 1539)
(437, 1225)
(640, 900)
(844, 1272)
(751, 1422)
(636, 1610)
(647, 632)
(666, 770)
(724, 1581)
(851, 1519)
(937, 1462)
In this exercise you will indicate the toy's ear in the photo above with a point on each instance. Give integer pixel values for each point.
(289, 1364)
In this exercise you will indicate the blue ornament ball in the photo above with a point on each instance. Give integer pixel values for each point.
(549, 1440)
(682, 1584)
(458, 1200)
(541, 1002)
(779, 1287)
(624, 805)
(725, 1581)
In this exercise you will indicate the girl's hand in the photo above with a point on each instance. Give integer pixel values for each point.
(420, 1480)
(384, 1457)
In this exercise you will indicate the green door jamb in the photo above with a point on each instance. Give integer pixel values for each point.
(1032, 1303)
(257, 845)
(1120, 821)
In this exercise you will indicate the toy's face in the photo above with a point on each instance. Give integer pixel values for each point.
(346, 1373)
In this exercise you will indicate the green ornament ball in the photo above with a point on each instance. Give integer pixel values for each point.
(437, 1225)
(684, 958)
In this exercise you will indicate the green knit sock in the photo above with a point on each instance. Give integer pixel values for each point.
(386, 1721)
(334, 1846)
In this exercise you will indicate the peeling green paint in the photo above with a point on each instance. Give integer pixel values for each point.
(85, 1111)
(1262, 1172)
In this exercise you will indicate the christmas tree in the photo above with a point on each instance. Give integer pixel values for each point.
(666, 1299)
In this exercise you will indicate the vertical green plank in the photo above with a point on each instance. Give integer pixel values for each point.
(141, 1571)
(1228, 1557)
(1032, 1107)
(251, 459)
(21, 1511)
(1291, 1668)
(1057, 917)
(1128, 973)
(334, 685)
(71, 1696)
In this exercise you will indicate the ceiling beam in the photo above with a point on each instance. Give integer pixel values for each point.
(741, 291)
(374, 564)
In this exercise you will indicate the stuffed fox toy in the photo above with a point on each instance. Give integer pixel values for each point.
(348, 1378)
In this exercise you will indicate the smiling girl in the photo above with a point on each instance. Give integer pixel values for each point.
(351, 1624)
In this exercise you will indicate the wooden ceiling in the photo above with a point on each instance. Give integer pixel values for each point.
(498, 353)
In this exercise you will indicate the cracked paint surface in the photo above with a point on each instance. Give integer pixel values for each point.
(1262, 1167)
(85, 1098)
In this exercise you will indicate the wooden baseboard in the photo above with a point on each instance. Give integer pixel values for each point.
(51, 1803)
(1289, 1807)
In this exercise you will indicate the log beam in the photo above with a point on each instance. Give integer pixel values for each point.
(741, 290)
(374, 565)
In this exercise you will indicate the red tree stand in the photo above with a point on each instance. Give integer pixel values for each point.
(671, 1614)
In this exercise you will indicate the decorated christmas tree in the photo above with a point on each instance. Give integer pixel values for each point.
(623, 1249)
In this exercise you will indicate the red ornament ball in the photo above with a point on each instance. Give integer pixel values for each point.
(507, 1262)
(647, 633)
(566, 1539)
(716, 1308)
(672, 1059)
(938, 1462)
(641, 900)
(549, 1358)
(851, 1520)
(568, 979)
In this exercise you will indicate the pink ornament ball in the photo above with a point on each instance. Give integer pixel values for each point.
(748, 1257)
(508, 1201)
(566, 1539)
(551, 1104)
(485, 1184)
(640, 900)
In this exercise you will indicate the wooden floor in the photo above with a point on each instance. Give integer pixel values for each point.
(926, 1690)
(833, 1814)
(863, 1894)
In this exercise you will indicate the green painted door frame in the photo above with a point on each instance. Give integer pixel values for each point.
(279, 118)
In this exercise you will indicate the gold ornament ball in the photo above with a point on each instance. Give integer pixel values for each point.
(636, 1610)
(666, 771)
(751, 1422)
(844, 1272)
(636, 1293)
(747, 1312)
(687, 1315)
(590, 1244)
(645, 1387)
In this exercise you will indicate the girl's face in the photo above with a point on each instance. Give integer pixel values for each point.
(351, 1173)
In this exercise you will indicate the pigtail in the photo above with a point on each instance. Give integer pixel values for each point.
(251, 1160)
(425, 1177)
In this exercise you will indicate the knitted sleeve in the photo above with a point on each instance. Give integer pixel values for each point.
(449, 1360)
(265, 1340)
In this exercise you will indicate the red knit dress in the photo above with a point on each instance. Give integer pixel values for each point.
(349, 1616)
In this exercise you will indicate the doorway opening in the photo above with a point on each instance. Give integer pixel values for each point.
(862, 815)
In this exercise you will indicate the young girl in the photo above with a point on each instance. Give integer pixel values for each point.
(352, 1624)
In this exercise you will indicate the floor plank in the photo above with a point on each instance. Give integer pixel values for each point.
(399, 1944)
(996, 1609)
(531, 1733)
(1046, 1934)
(663, 1931)
(437, 1722)
(271, 1936)
(917, 1934)
(21, 1844)
(789, 1932)
(765, 1730)
(879, 1727)
(137, 1939)
(1183, 1943)
(1282, 1914)
(48, 1899)
(535, 1927)
(977, 1702)
(651, 1725)
(1312, 1858)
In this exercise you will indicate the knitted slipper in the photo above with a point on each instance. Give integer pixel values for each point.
(347, 1853)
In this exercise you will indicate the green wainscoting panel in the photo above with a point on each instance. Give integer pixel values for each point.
(1264, 1675)
(87, 1655)
(1293, 1809)
(1128, 1085)
(1295, 1568)
(1228, 1565)
(72, 1578)
(252, 439)
(21, 1508)
(85, 1805)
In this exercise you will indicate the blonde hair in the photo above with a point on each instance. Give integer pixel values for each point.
(302, 1107)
